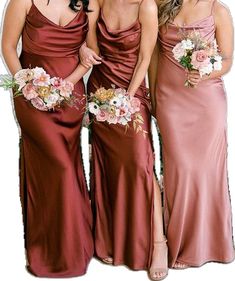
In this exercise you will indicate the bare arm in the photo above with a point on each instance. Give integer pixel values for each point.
(12, 29)
(152, 75)
(225, 39)
(94, 6)
(89, 51)
(149, 29)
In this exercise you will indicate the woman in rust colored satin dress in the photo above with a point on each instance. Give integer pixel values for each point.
(192, 123)
(56, 208)
(122, 179)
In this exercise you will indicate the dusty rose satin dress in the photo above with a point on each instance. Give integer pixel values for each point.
(193, 128)
(56, 208)
(122, 163)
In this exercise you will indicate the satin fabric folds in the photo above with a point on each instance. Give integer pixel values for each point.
(122, 163)
(192, 123)
(56, 208)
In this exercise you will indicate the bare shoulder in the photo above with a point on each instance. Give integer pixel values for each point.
(221, 11)
(149, 7)
(95, 4)
(22, 5)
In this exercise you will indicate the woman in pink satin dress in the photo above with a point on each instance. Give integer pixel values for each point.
(126, 200)
(193, 128)
(56, 206)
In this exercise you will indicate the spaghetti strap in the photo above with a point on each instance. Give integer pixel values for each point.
(212, 6)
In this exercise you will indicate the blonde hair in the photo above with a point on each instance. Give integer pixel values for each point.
(168, 10)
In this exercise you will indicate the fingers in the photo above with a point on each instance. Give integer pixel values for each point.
(94, 61)
(193, 77)
(98, 58)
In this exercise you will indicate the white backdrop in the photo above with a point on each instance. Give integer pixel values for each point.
(12, 257)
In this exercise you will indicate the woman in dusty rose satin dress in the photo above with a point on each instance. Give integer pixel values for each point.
(56, 208)
(192, 123)
(122, 179)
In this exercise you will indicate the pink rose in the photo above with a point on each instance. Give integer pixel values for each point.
(102, 116)
(39, 104)
(135, 104)
(29, 91)
(200, 59)
(66, 89)
(112, 119)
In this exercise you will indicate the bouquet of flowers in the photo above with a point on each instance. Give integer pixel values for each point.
(42, 91)
(116, 106)
(196, 53)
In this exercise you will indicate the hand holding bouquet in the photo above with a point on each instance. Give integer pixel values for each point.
(42, 91)
(116, 106)
(195, 53)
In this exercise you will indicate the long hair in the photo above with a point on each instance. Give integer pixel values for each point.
(168, 10)
(74, 5)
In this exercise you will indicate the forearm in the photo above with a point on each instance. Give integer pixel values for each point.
(11, 58)
(138, 75)
(77, 74)
(152, 76)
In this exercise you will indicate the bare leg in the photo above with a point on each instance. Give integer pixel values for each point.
(159, 264)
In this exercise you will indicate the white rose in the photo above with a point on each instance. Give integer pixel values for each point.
(187, 44)
(122, 121)
(206, 69)
(52, 99)
(38, 71)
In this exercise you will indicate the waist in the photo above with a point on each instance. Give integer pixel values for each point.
(55, 66)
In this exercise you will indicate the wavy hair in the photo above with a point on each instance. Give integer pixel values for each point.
(168, 10)
(74, 5)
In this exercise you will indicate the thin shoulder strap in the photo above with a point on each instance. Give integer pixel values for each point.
(32, 1)
(212, 6)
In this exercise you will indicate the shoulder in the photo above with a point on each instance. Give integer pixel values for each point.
(95, 4)
(20, 5)
(149, 6)
(221, 11)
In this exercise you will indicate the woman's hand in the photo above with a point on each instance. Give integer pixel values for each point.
(193, 77)
(88, 57)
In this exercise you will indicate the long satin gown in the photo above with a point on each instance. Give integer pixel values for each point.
(192, 123)
(56, 208)
(122, 163)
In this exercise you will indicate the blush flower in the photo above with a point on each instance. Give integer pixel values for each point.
(122, 111)
(29, 91)
(178, 51)
(102, 116)
(42, 80)
(135, 104)
(66, 89)
(200, 59)
(39, 104)
(112, 119)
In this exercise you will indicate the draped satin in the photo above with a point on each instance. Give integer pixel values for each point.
(122, 163)
(56, 208)
(192, 123)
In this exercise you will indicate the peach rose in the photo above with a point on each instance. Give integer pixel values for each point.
(29, 91)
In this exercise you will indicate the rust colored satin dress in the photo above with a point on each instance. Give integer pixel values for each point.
(56, 207)
(192, 124)
(122, 163)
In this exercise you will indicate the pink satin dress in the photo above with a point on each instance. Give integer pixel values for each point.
(192, 123)
(122, 163)
(56, 207)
